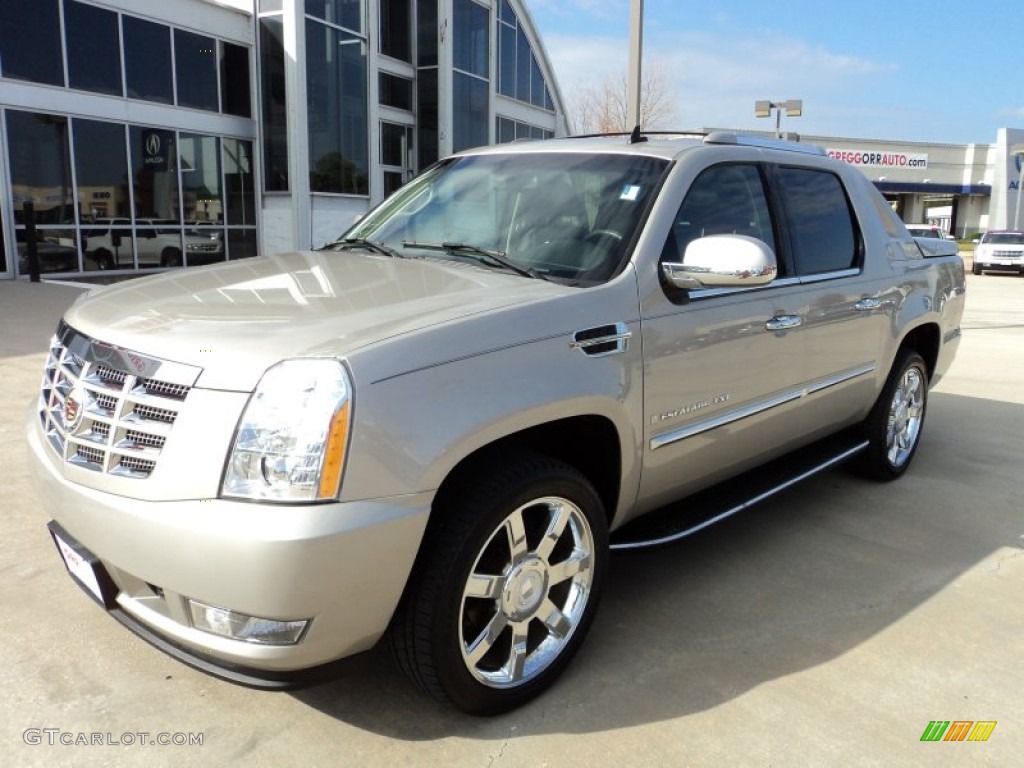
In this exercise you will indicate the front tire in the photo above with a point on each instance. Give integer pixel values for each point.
(505, 588)
(976, 268)
(894, 426)
(104, 259)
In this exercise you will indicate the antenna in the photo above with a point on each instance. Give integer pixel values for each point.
(635, 137)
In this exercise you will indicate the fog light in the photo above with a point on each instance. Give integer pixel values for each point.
(241, 626)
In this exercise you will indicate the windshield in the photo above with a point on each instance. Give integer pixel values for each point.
(1005, 238)
(563, 216)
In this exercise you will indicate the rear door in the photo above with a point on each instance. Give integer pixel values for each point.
(844, 313)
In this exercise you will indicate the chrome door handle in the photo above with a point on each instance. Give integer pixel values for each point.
(784, 322)
(866, 305)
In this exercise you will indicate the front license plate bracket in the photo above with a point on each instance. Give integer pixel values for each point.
(84, 567)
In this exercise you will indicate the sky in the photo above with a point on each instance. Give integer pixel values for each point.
(907, 70)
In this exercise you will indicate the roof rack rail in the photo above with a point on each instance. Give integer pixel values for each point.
(791, 143)
(763, 142)
(647, 134)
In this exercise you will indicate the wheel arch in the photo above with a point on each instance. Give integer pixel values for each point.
(589, 443)
(925, 340)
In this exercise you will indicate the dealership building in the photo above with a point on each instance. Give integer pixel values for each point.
(139, 135)
(963, 188)
(144, 134)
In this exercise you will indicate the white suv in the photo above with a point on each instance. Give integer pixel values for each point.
(1000, 250)
(158, 243)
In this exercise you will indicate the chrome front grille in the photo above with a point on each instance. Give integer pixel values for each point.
(107, 409)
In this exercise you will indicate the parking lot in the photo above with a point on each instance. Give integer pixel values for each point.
(828, 626)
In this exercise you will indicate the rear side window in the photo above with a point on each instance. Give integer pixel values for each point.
(821, 223)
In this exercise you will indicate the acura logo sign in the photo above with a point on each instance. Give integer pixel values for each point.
(157, 147)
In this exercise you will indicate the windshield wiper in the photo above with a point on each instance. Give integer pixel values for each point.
(483, 255)
(370, 245)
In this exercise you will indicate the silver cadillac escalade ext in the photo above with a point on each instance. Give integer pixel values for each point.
(431, 432)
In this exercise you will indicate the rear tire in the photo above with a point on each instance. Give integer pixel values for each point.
(170, 257)
(895, 423)
(505, 587)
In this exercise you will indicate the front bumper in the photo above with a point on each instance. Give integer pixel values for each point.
(1012, 262)
(342, 566)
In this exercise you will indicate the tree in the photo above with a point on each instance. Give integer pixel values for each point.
(602, 106)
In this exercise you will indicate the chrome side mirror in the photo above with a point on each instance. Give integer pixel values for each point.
(723, 261)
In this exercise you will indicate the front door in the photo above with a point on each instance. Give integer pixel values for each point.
(721, 366)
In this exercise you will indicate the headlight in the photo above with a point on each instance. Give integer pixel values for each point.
(291, 439)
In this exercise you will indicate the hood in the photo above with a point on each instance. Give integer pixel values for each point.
(235, 320)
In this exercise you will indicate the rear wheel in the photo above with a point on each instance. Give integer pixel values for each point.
(895, 423)
(170, 257)
(506, 587)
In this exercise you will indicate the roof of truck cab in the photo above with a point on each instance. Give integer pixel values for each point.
(665, 145)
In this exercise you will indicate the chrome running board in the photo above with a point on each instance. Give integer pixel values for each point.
(718, 503)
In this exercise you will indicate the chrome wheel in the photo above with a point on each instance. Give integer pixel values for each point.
(893, 428)
(526, 592)
(905, 416)
(506, 585)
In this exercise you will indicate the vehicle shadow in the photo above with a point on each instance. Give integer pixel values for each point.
(791, 584)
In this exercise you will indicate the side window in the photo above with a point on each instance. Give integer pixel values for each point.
(723, 200)
(821, 223)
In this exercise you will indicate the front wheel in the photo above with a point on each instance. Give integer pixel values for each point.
(894, 426)
(976, 268)
(506, 587)
(103, 259)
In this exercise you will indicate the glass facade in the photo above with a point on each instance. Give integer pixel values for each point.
(117, 54)
(30, 41)
(110, 196)
(470, 81)
(519, 74)
(395, 91)
(147, 60)
(235, 92)
(275, 104)
(396, 29)
(94, 51)
(195, 63)
(428, 117)
(349, 14)
(338, 109)
(166, 190)
(515, 130)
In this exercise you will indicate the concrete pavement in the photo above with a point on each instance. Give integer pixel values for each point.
(826, 627)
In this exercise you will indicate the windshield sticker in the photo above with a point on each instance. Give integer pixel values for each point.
(630, 192)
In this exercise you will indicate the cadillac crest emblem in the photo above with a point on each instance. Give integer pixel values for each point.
(74, 408)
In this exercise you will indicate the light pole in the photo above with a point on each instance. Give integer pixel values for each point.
(1017, 151)
(793, 107)
(636, 44)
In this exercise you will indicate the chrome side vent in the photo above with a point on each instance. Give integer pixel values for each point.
(602, 340)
